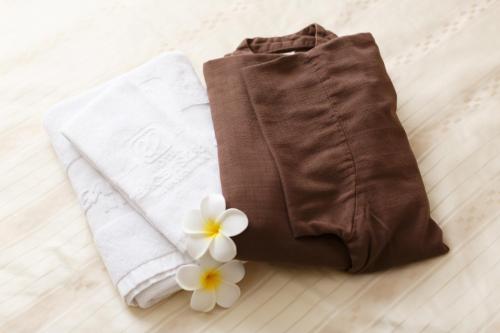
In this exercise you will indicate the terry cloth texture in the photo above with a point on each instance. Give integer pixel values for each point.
(140, 260)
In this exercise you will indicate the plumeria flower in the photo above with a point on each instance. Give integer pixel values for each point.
(212, 227)
(211, 282)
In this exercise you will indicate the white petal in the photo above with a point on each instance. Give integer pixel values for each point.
(212, 206)
(197, 245)
(232, 271)
(206, 261)
(203, 300)
(233, 222)
(188, 277)
(227, 294)
(193, 223)
(222, 248)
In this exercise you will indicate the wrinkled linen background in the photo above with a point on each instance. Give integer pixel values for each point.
(444, 60)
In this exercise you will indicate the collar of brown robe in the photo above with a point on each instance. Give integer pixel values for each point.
(310, 147)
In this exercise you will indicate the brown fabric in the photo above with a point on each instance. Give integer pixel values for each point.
(310, 147)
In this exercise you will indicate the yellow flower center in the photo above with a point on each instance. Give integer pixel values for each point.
(211, 227)
(210, 279)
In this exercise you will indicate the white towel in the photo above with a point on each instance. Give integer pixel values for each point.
(162, 160)
(140, 261)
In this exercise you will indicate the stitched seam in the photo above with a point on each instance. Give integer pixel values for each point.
(339, 123)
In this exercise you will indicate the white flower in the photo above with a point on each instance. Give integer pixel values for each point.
(211, 227)
(211, 282)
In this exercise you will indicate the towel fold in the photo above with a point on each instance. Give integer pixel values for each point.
(140, 260)
(161, 162)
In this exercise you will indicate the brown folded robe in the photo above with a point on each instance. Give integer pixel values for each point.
(311, 149)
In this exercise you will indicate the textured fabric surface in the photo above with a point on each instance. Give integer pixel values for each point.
(310, 141)
(140, 260)
(442, 56)
(161, 155)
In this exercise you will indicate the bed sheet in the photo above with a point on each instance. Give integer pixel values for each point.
(444, 59)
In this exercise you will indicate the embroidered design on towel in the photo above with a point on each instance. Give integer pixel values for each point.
(168, 164)
(100, 192)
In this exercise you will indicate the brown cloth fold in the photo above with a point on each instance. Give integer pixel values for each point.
(311, 149)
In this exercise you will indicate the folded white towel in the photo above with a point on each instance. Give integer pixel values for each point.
(141, 262)
(161, 158)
